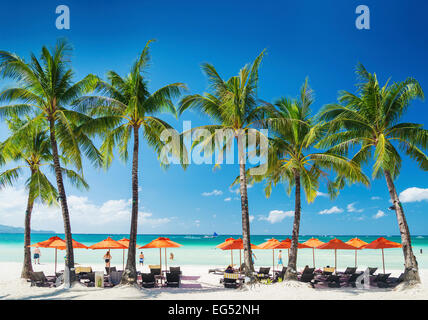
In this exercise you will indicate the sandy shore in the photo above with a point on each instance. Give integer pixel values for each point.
(200, 286)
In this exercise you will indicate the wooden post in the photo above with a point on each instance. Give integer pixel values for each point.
(355, 258)
(335, 261)
(55, 259)
(166, 262)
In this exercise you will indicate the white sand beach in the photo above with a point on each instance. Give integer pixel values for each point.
(200, 286)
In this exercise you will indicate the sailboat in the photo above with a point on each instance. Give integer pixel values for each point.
(215, 235)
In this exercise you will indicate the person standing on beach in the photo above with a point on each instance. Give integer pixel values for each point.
(253, 256)
(37, 255)
(171, 256)
(280, 259)
(107, 259)
(141, 258)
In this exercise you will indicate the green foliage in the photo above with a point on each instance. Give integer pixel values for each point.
(125, 104)
(368, 122)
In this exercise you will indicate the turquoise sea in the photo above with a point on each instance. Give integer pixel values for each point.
(197, 250)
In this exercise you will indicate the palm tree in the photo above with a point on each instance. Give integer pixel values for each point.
(294, 162)
(232, 106)
(370, 120)
(44, 91)
(31, 148)
(124, 106)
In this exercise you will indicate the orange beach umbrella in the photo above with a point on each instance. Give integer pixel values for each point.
(313, 243)
(336, 244)
(236, 244)
(226, 242)
(286, 244)
(270, 244)
(358, 243)
(161, 242)
(56, 243)
(108, 244)
(382, 243)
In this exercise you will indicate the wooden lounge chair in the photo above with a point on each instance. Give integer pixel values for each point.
(350, 281)
(172, 279)
(306, 277)
(39, 279)
(330, 281)
(148, 280)
(279, 274)
(392, 281)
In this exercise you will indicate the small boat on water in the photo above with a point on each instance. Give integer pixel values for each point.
(215, 235)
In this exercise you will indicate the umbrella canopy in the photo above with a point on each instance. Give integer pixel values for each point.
(286, 244)
(336, 244)
(313, 243)
(46, 243)
(108, 243)
(235, 244)
(58, 243)
(160, 243)
(227, 241)
(124, 242)
(358, 243)
(382, 243)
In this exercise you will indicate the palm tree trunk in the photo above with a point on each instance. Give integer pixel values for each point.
(411, 265)
(130, 273)
(291, 273)
(69, 262)
(27, 267)
(249, 267)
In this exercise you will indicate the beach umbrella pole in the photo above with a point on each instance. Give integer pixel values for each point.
(335, 261)
(383, 261)
(273, 261)
(313, 256)
(166, 262)
(123, 260)
(240, 261)
(355, 258)
(55, 259)
(160, 259)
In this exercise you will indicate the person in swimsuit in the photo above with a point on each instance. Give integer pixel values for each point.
(37, 255)
(171, 256)
(280, 259)
(141, 258)
(107, 259)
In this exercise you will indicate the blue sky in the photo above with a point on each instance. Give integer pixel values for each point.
(315, 39)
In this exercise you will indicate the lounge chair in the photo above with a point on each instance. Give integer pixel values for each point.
(350, 270)
(89, 279)
(148, 280)
(381, 280)
(111, 269)
(331, 281)
(83, 270)
(115, 277)
(279, 274)
(219, 271)
(307, 275)
(172, 279)
(392, 281)
(328, 271)
(372, 271)
(263, 273)
(351, 280)
(175, 269)
(155, 271)
(39, 279)
(231, 280)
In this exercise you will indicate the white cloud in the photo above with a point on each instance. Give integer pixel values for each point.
(379, 214)
(331, 210)
(236, 189)
(351, 208)
(276, 216)
(375, 198)
(322, 194)
(112, 216)
(251, 218)
(228, 199)
(414, 194)
(215, 192)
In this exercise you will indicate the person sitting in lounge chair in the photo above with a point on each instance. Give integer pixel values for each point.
(229, 269)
